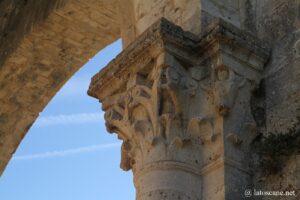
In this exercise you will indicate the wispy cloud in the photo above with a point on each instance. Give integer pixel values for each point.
(78, 118)
(76, 86)
(67, 152)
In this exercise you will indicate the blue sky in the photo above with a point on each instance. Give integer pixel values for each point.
(67, 153)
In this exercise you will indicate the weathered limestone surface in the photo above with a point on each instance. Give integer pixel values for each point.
(278, 24)
(15, 21)
(140, 14)
(42, 43)
(46, 58)
(181, 105)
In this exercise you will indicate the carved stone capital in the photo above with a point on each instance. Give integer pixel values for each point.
(179, 103)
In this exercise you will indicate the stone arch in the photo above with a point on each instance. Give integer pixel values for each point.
(56, 46)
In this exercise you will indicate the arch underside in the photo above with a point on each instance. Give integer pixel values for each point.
(56, 46)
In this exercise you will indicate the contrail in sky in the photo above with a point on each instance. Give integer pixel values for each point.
(67, 152)
(70, 119)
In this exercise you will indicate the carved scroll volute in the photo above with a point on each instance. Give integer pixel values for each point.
(226, 85)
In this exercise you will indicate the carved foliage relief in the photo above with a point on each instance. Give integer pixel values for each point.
(171, 111)
(181, 106)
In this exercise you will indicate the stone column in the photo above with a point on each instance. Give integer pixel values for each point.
(181, 106)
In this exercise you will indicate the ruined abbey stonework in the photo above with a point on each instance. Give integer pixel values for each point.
(205, 95)
(181, 105)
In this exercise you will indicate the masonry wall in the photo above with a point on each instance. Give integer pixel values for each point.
(19, 17)
(42, 44)
(278, 24)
